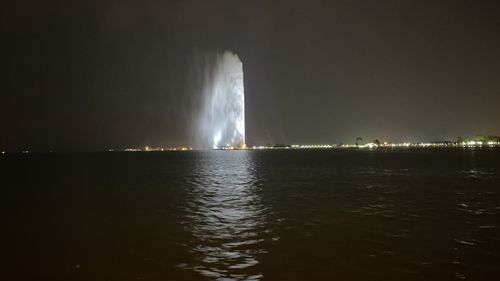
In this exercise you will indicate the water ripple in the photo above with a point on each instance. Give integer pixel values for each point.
(226, 219)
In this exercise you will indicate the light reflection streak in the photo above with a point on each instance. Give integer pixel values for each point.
(227, 217)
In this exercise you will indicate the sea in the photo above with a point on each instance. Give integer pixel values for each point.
(333, 214)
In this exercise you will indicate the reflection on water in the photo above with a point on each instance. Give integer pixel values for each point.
(225, 216)
(250, 215)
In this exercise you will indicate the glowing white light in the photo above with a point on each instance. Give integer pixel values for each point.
(222, 120)
(369, 145)
(216, 140)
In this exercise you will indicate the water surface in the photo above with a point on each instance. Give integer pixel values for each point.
(421, 214)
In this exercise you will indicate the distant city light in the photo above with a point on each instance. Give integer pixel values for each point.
(371, 145)
(156, 149)
(384, 145)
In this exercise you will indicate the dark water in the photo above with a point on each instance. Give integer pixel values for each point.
(252, 215)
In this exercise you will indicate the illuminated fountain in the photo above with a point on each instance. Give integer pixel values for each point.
(221, 123)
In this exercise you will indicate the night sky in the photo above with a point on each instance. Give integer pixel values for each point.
(94, 75)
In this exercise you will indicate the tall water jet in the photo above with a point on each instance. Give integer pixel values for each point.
(221, 119)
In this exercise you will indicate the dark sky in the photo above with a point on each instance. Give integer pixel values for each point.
(93, 75)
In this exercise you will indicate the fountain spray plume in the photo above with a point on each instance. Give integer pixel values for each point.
(220, 116)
